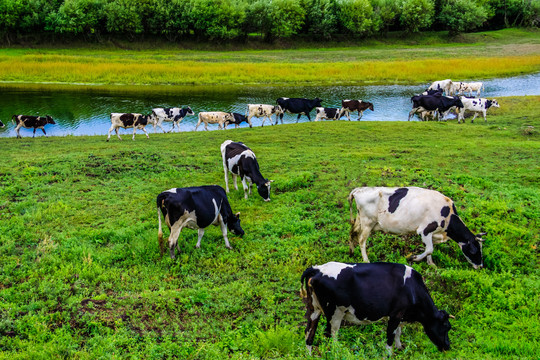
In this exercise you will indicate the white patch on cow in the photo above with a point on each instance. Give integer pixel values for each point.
(407, 274)
(216, 209)
(332, 269)
(173, 190)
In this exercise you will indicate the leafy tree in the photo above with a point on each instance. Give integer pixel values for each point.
(217, 19)
(356, 16)
(462, 15)
(76, 17)
(321, 18)
(385, 13)
(276, 18)
(416, 14)
(531, 13)
(170, 18)
(125, 17)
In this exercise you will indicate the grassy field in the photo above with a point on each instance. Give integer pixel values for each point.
(385, 61)
(82, 276)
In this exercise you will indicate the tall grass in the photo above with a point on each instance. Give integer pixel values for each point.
(133, 72)
(81, 275)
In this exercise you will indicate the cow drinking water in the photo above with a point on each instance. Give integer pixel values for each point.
(364, 293)
(195, 208)
(410, 210)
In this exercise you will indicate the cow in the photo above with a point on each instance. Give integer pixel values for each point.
(437, 92)
(241, 161)
(471, 87)
(327, 113)
(195, 208)
(425, 114)
(170, 114)
(365, 293)
(433, 102)
(409, 210)
(237, 120)
(129, 120)
(264, 111)
(298, 106)
(444, 85)
(478, 106)
(355, 105)
(27, 121)
(214, 117)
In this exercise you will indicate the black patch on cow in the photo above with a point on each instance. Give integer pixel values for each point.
(442, 224)
(488, 104)
(474, 102)
(127, 119)
(395, 198)
(431, 228)
(454, 208)
(445, 211)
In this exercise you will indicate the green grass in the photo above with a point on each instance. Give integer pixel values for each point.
(81, 275)
(396, 59)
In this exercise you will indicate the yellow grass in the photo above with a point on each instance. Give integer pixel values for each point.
(66, 69)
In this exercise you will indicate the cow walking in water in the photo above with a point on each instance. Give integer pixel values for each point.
(364, 293)
(36, 122)
(195, 208)
(410, 210)
(241, 161)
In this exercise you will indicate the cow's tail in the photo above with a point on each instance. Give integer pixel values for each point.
(304, 280)
(350, 198)
(160, 232)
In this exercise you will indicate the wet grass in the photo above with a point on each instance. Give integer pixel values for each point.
(81, 275)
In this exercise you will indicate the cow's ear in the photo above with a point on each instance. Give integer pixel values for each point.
(237, 215)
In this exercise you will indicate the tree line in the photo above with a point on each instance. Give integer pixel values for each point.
(177, 20)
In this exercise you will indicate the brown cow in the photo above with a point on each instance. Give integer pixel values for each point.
(36, 122)
(354, 105)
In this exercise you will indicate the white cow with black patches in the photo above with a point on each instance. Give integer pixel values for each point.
(240, 160)
(411, 210)
(365, 293)
(263, 111)
(176, 115)
(477, 106)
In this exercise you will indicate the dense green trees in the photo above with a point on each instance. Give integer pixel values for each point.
(176, 20)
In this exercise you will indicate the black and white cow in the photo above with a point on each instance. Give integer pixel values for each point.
(241, 161)
(128, 120)
(477, 106)
(364, 293)
(176, 115)
(440, 104)
(298, 106)
(36, 122)
(410, 210)
(195, 208)
(237, 120)
(263, 110)
(327, 113)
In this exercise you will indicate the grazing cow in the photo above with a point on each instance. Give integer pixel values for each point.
(237, 120)
(444, 85)
(433, 102)
(128, 120)
(195, 208)
(36, 122)
(470, 87)
(365, 293)
(170, 114)
(355, 105)
(241, 161)
(327, 113)
(298, 106)
(214, 117)
(410, 210)
(478, 106)
(264, 111)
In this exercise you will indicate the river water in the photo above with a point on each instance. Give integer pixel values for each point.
(87, 113)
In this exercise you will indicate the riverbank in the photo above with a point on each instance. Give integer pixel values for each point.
(82, 276)
(482, 56)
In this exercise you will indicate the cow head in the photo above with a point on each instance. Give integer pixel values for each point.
(49, 120)
(233, 224)
(370, 107)
(437, 330)
(492, 103)
(317, 102)
(1, 124)
(188, 110)
(277, 110)
(457, 102)
(264, 189)
(473, 251)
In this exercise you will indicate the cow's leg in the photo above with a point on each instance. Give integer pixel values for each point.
(206, 126)
(34, 132)
(226, 171)
(235, 177)
(298, 118)
(360, 114)
(173, 237)
(161, 127)
(223, 227)
(313, 317)
(474, 117)
(483, 113)
(397, 338)
(439, 238)
(360, 231)
(198, 123)
(308, 117)
(17, 129)
(44, 133)
(134, 130)
(200, 233)
(391, 331)
(428, 241)
(245, 187)
(335, 322)
(362, 241)
(411, 113)
(117, 134)
(146, 133)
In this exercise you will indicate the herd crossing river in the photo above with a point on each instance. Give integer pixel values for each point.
(87, 113)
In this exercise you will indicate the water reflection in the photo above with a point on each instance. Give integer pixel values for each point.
(87, 113)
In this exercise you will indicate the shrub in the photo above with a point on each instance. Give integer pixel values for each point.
(80, 17)
(462, 15)
(322, 18)
(217, 19)
(125, 17)
(416, 14)
(277, 18)
(356, 16)
(384, 14)
(170, 18)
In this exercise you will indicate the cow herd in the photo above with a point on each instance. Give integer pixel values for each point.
(435, 103)
(358, 293)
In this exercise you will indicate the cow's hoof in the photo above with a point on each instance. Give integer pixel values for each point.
(229, 247)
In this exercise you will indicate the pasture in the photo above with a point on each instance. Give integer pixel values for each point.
(82, 276)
